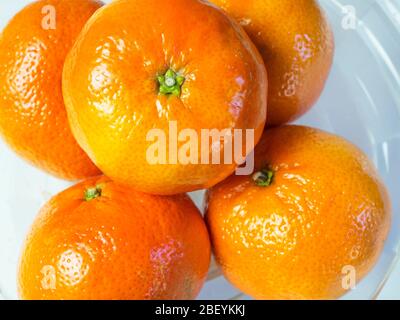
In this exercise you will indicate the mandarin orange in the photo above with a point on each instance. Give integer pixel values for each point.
(33, 120)
(310, 222)
(102, 240)
(297, 45)
(148, 65)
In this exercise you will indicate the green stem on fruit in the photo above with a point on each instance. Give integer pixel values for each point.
(263, 178)
(170, 83)
(92, 193)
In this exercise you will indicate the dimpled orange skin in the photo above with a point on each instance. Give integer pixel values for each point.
(120, 245)
(33, 120)
(112, 92)
(297, 45)
(325, 212)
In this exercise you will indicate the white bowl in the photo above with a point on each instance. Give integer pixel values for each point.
(361, 102)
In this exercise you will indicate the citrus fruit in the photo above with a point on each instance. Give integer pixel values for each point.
(297, 45)
(102, 240)
(33, 120)
(148, 66)
(309, 224)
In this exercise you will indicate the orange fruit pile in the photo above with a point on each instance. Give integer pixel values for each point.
(129, 88)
